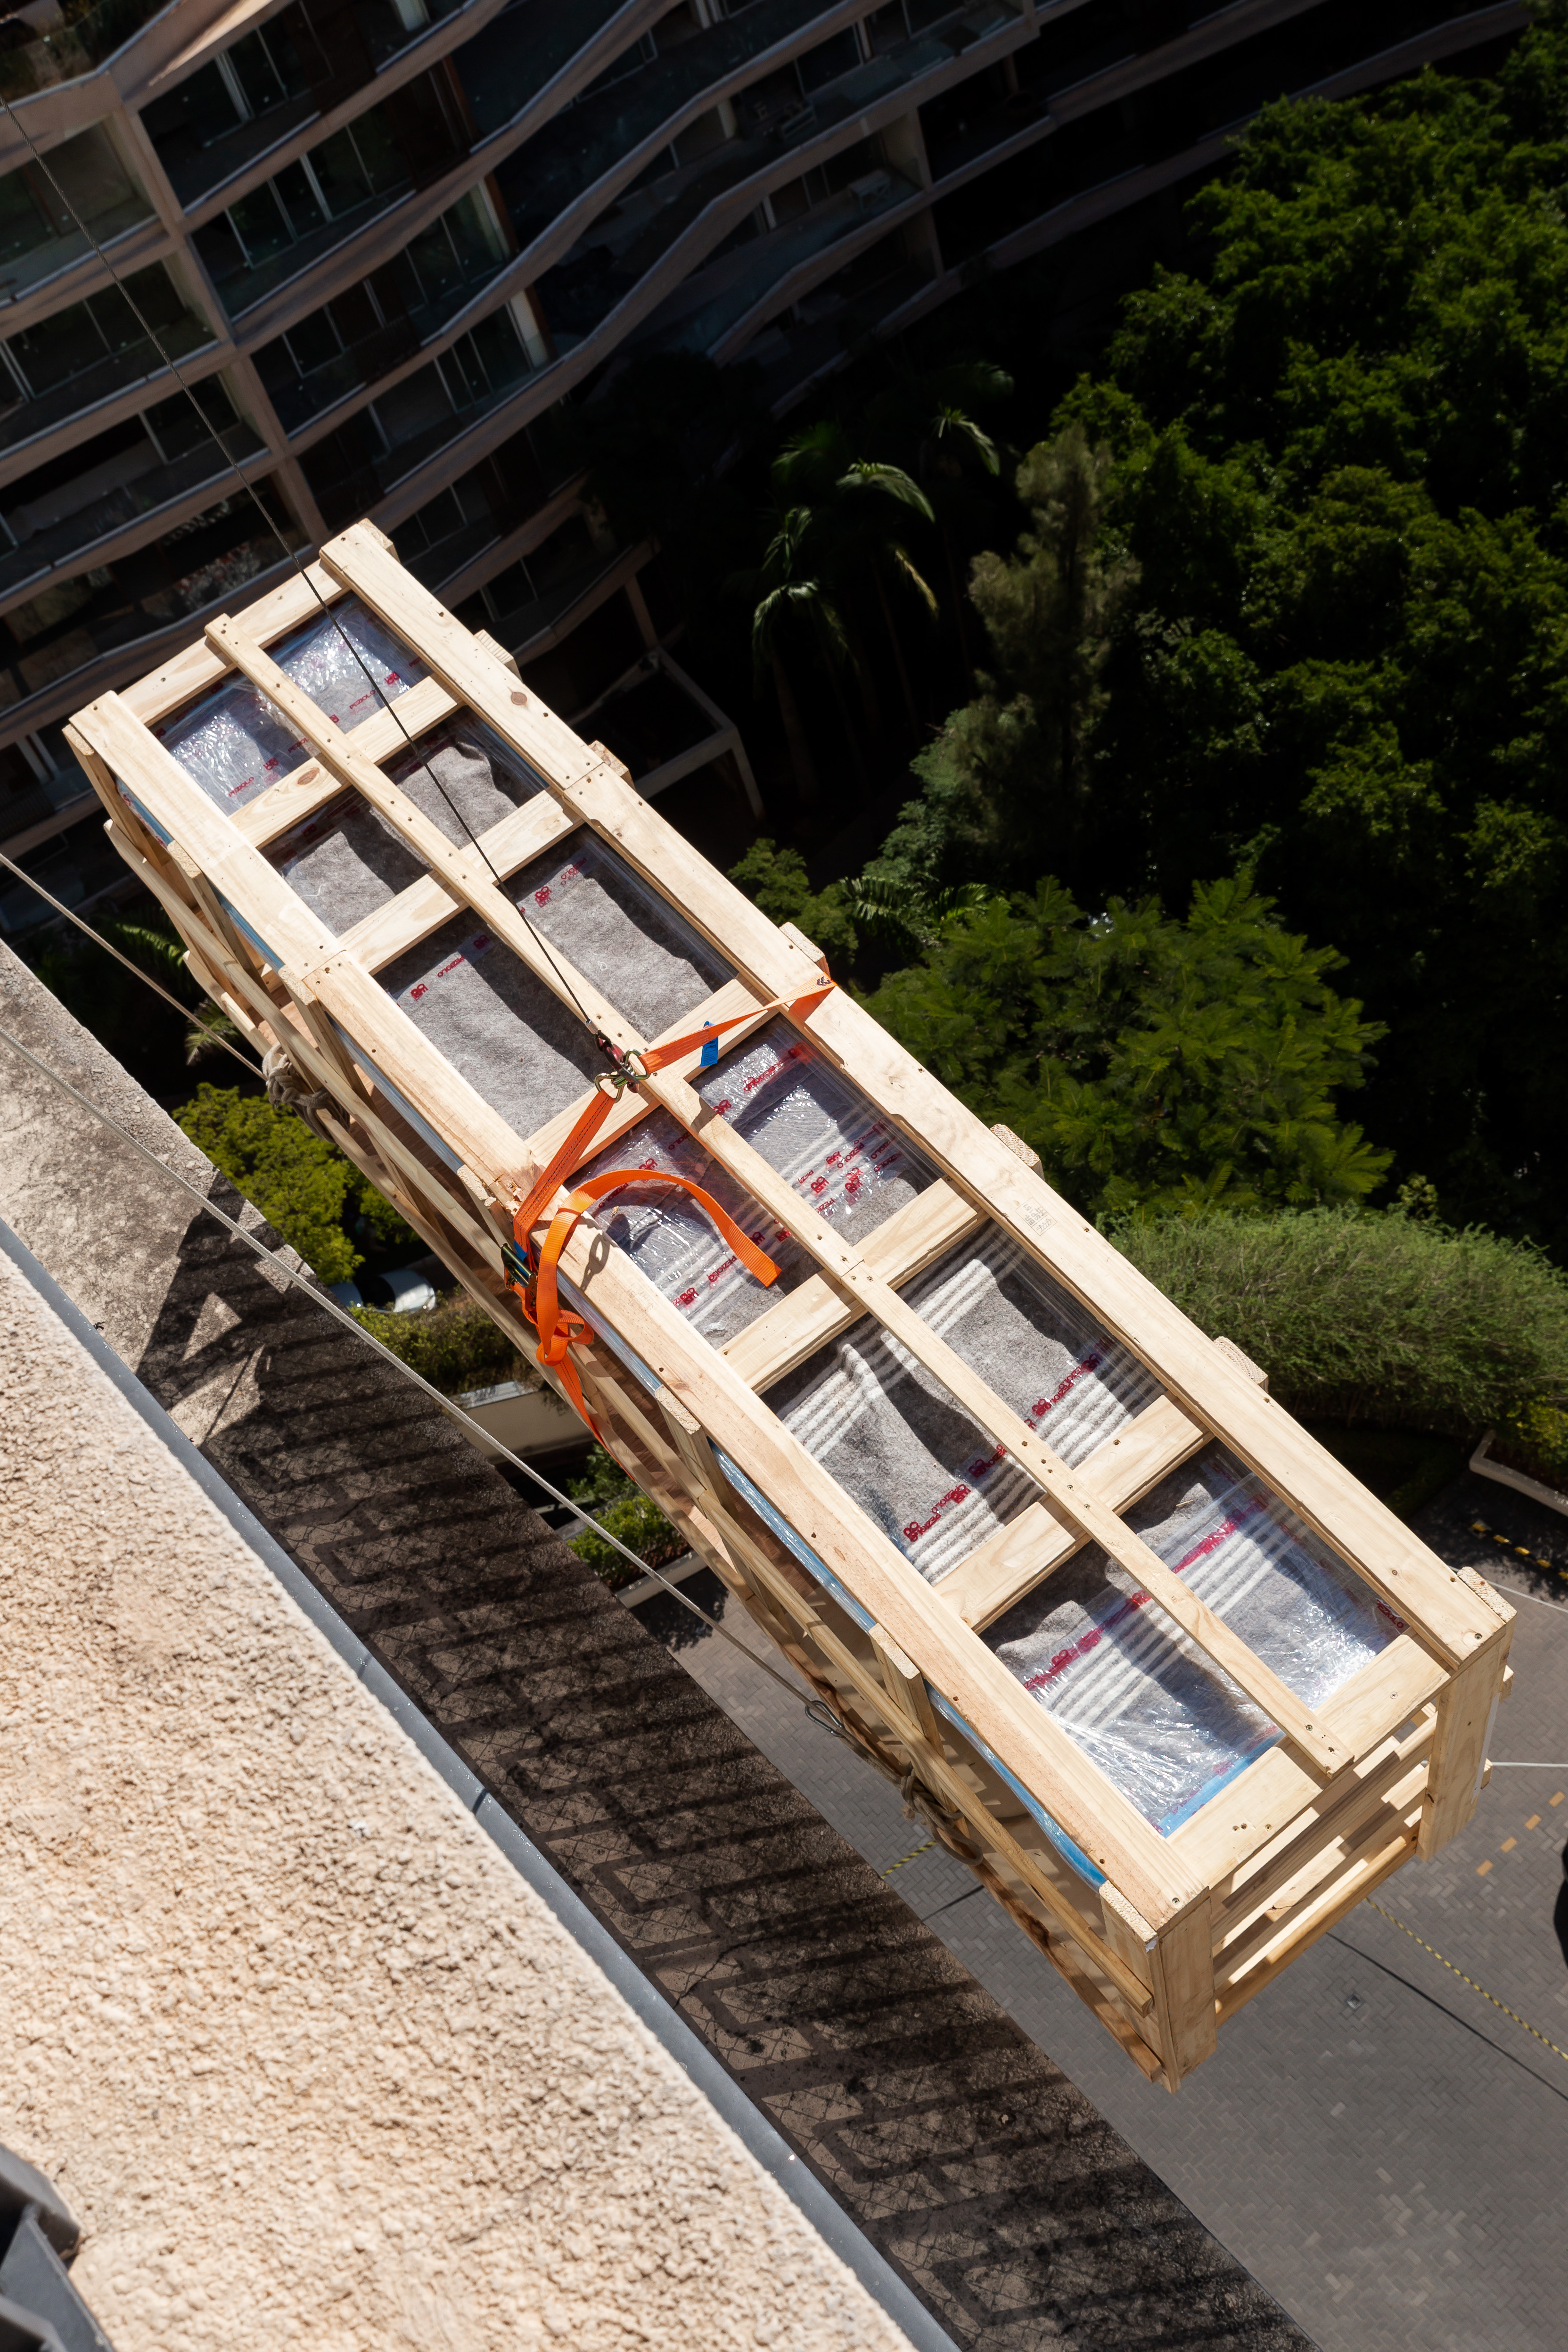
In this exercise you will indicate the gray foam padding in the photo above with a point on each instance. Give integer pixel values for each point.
(1140, 1697)
(527, 1052)
(235, 743)
(587, 903)
(464, 778)
(841, 1154)
(845, 1157)
(901, 1445)
(347, 860)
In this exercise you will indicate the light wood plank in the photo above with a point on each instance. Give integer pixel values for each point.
(1212, 1389)
(726, 917)
(461, 870)
(199, 668)
(898, 1249)
(311, 786)
(178, 803)
(1263, 1802)
(379, 938)
(1010, 1563)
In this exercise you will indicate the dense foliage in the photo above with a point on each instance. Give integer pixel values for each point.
(777, 879)
(318, 1200)
(1176, 1064)
(622, 1509)
(1293, 599)
(1385, 1318)
(455, 1345)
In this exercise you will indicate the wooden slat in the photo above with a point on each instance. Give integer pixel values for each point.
(1339, 1813)
(898, 1249)
(1272, 1793)
(199, 668)
(1010, 1563)
(462, 870)
(726, 917)
(1213, 1390)
(1467, 1709)
(1373, 1824)
(311, 786)
(377, 939)
(180, 806)
(1362, 1879)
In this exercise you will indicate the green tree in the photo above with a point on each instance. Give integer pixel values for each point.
(301, 1184)
(1339, 466)
(1152, 1064)
(777, 879)
(795, 617)
(627, 1513)
(861, 510)
(1011, 781)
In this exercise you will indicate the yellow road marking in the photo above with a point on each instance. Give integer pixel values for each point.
(1436, 1955)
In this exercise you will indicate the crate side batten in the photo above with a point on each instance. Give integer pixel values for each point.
(1301, 1851)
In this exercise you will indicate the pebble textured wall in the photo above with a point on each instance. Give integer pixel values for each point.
(308, 2060)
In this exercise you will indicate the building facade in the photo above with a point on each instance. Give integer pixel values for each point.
(385, 240)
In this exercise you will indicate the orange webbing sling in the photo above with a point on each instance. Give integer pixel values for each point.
(534, 1276)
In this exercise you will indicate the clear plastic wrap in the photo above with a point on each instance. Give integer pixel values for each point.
(664, 1232)
(235, 743)
(820, 1132)
(1161, 1721)
(904, 1447)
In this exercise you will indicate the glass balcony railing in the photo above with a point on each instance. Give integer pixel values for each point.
(630, 238)
(197, 568)
(713, 303)
(519, 53)
(38, 236)
(161, 484)
(580, 146)
(86, 36)
(81, 357)
(302, 396)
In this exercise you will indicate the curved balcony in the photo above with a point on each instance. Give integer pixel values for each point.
(84, 635)
(605, 133)
(113, 504)
(625, 246)
(87, 356)
(85, 39)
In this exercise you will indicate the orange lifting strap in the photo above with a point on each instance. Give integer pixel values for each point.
(535, 1279)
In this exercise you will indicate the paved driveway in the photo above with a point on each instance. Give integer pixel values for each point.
(1385, 2150)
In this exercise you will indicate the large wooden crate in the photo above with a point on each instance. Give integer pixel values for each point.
(1029, 1651)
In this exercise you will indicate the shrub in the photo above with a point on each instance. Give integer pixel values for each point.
(318, 1200)
(300, 1184)
(1357, 1316)
(625, 1511)
(455, 1345)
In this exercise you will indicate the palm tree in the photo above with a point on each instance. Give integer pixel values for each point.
(858, 500)
(932, 411)
(792, 601)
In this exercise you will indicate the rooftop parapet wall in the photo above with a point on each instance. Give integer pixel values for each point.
(310, 2061)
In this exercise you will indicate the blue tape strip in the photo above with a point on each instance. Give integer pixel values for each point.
(709, 1053)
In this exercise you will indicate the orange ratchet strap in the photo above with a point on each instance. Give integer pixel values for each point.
(558, 1328)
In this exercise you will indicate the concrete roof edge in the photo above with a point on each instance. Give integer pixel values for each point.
(812, 2198)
